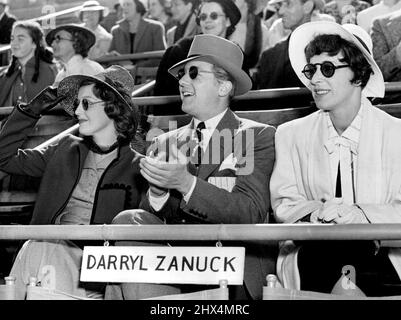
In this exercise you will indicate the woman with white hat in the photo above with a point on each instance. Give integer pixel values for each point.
(91, 14)
(339, 165)
(86, 179)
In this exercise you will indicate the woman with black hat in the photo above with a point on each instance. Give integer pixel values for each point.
(216, 17)
(84, 180)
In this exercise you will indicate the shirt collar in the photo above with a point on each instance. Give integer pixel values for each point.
(352, 132)
(211, 124)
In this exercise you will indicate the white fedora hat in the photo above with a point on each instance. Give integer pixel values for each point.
(306, 32)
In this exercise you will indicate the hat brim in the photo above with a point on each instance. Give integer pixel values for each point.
(71, 28)
(242, 81)
(70, 85)
(305, 33)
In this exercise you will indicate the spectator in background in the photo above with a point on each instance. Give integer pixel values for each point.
(216, 17)
(135, 34)
(365, 17)
(345, 11)
(184, 14)
(160, 10)
(274, 69)
(71, 44)
(112, 18)
(248, 33)
(386, 38)
(31, 69)
(91, 15)
(6, 23)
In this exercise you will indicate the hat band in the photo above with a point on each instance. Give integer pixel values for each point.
(362, 43)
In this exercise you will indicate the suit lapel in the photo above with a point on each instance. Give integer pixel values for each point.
(216, 152)
(139, 33)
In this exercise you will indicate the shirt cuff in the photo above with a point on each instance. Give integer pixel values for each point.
(158, 202)
(187, 196)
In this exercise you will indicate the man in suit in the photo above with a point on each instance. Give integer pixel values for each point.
(339, 165)
(274, 68)
(386, 36)
(230, 162)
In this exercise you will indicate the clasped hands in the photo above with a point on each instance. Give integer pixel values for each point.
(335, 211)
(163, 175)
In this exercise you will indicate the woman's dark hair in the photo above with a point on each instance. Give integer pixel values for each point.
(101, 16)
(140, 7)
(125, 117)
(332, 44)
(230, 29)
(80, 43)
(41, 52)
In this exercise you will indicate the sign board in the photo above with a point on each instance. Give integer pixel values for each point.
(191, 265)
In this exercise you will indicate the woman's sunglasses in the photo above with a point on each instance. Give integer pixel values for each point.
(213, 15)
(57, 39)
(192, 72)
(85, 103)
(327, 69)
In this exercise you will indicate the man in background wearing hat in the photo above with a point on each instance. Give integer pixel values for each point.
(274, 68)
(230, 161)
(91, 15)
(339, 165)
(71, 44)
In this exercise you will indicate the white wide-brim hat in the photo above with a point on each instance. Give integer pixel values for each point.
(306, 32)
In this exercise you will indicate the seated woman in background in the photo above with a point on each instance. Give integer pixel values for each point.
(91, 15)
(31, 69)
(136, 34)
(160, 11)
(216, 17)
(84, 180)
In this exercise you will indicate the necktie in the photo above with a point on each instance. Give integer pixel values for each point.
(199, 129)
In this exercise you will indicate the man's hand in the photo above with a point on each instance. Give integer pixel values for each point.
(167, 175)
(335, 211)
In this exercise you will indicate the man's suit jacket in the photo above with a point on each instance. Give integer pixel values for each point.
(228, 191)
(274, 69)
(6, 24)
(386, 35)
(302, 175)
(149, 37)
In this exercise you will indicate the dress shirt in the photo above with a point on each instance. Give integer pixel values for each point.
(210, 124)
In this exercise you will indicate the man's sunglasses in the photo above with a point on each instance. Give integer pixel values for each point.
(85, 103)
(58, 39)
(192, 72)
(213, 15)
(327, 69)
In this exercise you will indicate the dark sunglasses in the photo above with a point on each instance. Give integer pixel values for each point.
(192, 72)
(85, 103)
(327, 69)
(58, 39)
(213, 15)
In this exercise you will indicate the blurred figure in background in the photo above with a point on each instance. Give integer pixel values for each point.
(216, 17)
(112, 18)
(184, 14)
(248, 33)
(160, 10)
(345, 11)
(31, 69)
(71, 44)
(6, 23)
(91, 15)
(365, 17)
(136, 34)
